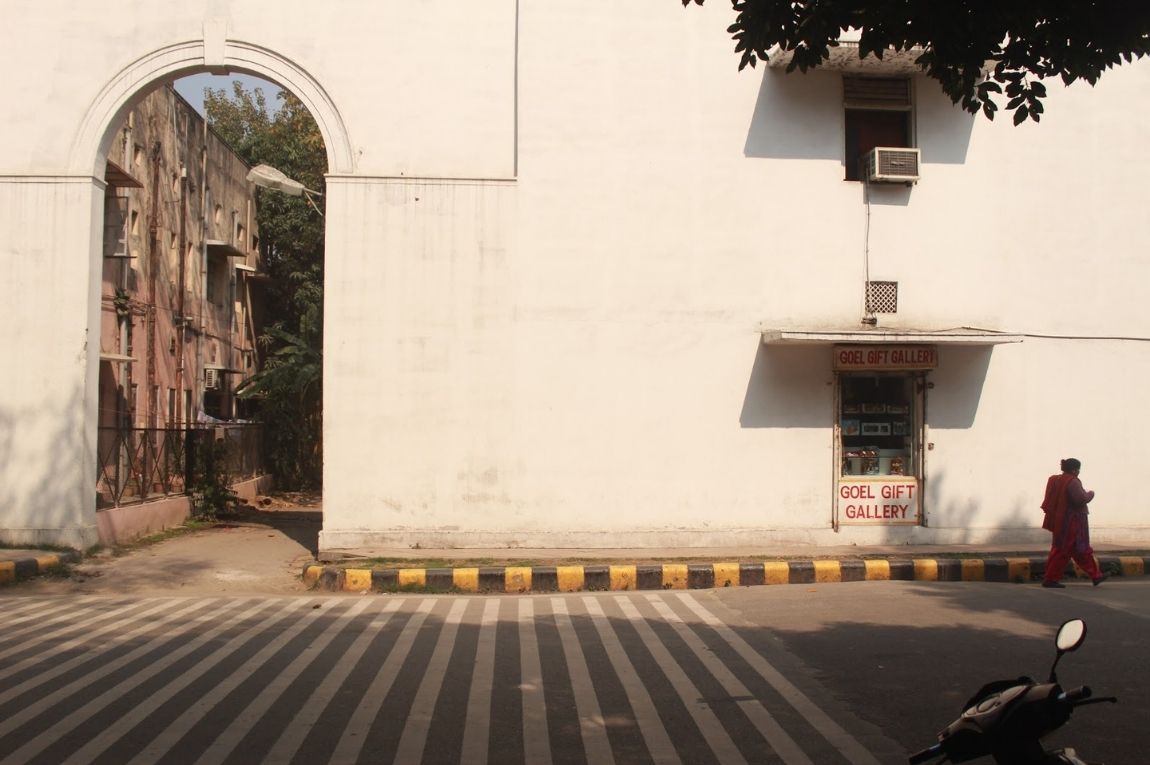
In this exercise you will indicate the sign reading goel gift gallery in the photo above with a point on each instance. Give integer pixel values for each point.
(893, 358)
(878, 501)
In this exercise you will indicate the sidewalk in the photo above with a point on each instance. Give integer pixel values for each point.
(572, 570)
(269, 550)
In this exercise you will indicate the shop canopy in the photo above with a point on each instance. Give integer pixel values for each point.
(953, 336)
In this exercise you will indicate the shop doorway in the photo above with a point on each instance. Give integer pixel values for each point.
(880, 436)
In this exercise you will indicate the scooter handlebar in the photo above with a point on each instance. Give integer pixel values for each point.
(1075, 695)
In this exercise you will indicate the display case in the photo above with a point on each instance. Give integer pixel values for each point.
(877, 425)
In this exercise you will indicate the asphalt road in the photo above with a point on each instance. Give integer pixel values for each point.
(889, 663)
(904, 656)
(580, 678)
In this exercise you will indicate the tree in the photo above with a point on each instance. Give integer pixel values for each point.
(290, 386)
(978, 50)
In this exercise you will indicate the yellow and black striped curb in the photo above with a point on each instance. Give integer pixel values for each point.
(693, 576)
(26, 568)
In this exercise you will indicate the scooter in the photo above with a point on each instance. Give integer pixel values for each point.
(1007, 719)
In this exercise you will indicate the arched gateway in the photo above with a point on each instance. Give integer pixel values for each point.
(48, 491)
(73, 75)
(214, 54)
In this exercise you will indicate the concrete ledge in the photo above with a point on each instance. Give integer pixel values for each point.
(695, 576)
(18, 568)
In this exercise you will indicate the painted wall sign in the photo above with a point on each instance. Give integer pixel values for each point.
(878, 501)
(885, 357)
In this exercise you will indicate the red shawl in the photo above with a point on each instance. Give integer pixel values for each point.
(1055, 504)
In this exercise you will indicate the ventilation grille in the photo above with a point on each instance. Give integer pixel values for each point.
(881, 297)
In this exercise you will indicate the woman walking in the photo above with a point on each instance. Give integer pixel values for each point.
(1066, 519)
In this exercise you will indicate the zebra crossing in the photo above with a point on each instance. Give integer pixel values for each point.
(588, 678)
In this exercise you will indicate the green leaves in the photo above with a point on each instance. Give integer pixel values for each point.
(971, 47)
(289, 386)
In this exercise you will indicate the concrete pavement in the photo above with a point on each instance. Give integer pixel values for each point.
(548, 570)
(276, 548)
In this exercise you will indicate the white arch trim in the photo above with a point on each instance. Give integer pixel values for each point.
(175, 60)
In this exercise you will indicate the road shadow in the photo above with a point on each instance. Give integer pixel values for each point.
(301, 524)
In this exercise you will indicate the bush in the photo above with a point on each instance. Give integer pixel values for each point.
(210, 494)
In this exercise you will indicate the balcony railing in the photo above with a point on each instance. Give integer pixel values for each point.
(138, 464)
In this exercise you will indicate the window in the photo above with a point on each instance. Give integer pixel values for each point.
(215, 280)
(877, 112)
(879, 433)
(115, 227)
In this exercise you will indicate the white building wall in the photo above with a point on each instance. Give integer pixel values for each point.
(555, 230)
(50, 345)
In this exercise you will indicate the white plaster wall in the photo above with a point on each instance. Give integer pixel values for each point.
(665, 209)
(48, 399)
(429, 85)
(555, 228)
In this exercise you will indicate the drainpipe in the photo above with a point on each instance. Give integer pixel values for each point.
(153, 267)
(181, 325)
(198, 394)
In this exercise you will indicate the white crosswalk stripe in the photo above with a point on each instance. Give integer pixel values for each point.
(477, 727)
(760, 716)
(14, 721)
(350, 744)
(611, 678)
(294, 732)
(536, 746)
(591, 722)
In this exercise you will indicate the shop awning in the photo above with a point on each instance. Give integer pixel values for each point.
(953, 336)
(844, 57)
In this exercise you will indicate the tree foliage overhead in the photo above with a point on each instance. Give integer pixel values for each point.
(290, 386)
(978, 50)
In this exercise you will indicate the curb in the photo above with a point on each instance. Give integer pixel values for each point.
(12, 571)
(694, 576)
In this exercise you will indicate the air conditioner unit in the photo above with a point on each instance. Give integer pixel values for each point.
(884, 164)
(211, 379)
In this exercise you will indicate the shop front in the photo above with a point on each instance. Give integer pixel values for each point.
(880, 427)
(880, 394)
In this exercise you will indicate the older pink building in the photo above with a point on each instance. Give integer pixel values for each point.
(179, 298)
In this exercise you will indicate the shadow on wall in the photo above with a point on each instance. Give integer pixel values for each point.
(789, 387)
(951, 508)
(800, 116)
(958, 384)
(49, 503)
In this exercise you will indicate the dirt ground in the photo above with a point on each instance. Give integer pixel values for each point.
(260, 550)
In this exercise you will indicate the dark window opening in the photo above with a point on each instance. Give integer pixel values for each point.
(868, 128)
(877, 113)
(879, 432)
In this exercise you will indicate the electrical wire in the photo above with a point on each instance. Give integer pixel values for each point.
(868, 314)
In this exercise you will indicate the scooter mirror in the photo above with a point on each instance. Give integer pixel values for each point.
(1071, 634)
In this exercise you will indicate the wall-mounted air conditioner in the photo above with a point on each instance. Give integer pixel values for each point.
(211, 379)
(884, 164)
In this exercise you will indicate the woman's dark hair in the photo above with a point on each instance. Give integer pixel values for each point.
(1069, 465)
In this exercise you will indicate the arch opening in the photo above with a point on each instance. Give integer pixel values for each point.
(184, 270)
